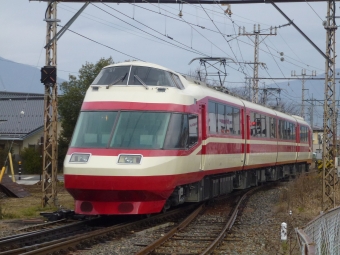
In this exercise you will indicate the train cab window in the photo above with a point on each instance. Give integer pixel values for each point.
(117, 75)
(150, 76)
(177, 81)
(93, 129)
(182, 131)
(139, 129)
(178, 132)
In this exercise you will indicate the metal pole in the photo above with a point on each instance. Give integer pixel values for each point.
(256, 33)
(49, 171)
(329, 123)
(256, 66)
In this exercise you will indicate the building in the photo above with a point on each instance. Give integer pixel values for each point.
(317, 139)
(21, 121)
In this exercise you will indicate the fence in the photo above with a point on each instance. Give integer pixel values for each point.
(321, 236)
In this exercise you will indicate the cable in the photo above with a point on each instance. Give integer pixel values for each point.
(102, 44)
(147, 32)
(313, 10)
(274, 59)
(220, 33)
(153, 29)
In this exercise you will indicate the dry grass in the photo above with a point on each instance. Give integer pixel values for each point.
(30, 207)
(304, 195)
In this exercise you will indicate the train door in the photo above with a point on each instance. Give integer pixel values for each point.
(203, 124)
(310, 143)
(298, 141)
(246, 136)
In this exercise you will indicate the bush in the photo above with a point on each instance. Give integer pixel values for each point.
(31, 161)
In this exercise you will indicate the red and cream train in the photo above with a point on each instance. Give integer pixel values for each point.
(148, 138)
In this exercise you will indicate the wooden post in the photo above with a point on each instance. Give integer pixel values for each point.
(11, 166)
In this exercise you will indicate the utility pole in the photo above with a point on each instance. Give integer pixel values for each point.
(265, 95)
(303, 75)
(312, 113)
(256, 42)
(329, 123)
(50, 152)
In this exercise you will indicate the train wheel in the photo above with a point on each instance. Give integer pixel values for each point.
(166, 206)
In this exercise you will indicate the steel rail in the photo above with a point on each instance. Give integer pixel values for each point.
(36, 236)
(168, 235)
(229, 224)
(73, 243)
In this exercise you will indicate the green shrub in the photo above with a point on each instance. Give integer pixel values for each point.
(31, 161)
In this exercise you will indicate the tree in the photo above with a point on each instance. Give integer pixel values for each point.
(70, 102)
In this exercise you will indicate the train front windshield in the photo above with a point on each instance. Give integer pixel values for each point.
(132, 129)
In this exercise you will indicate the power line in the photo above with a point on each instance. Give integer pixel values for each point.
(102, 44)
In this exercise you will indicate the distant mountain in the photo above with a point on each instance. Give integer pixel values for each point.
(16, 77)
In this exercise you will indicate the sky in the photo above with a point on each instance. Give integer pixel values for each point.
(144, 32)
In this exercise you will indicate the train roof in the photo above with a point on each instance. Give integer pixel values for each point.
(192, 83)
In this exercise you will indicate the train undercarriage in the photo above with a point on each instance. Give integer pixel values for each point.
(212, 186)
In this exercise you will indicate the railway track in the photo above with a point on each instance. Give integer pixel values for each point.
(80, 235)
(202, 231)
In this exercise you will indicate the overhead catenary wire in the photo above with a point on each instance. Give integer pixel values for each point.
(192, 51)
(196, 51)
(287, 56)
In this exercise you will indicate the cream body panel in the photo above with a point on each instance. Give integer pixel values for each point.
(149, 166)
(218, 161)
(261, 158)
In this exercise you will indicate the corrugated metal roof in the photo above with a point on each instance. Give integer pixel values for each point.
(13, 124)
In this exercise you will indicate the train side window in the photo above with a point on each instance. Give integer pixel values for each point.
(252, 124)
(236, 121)
(212, 118)
(303, 134)
(193, 130)
(229, 121)
(221, 124)
(263, 126)
(267, 127)
(258, 129)
(272, 128)
(293, 131)
(281, 127)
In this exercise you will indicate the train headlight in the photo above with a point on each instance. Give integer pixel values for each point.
(79, 158)
(129, 159)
